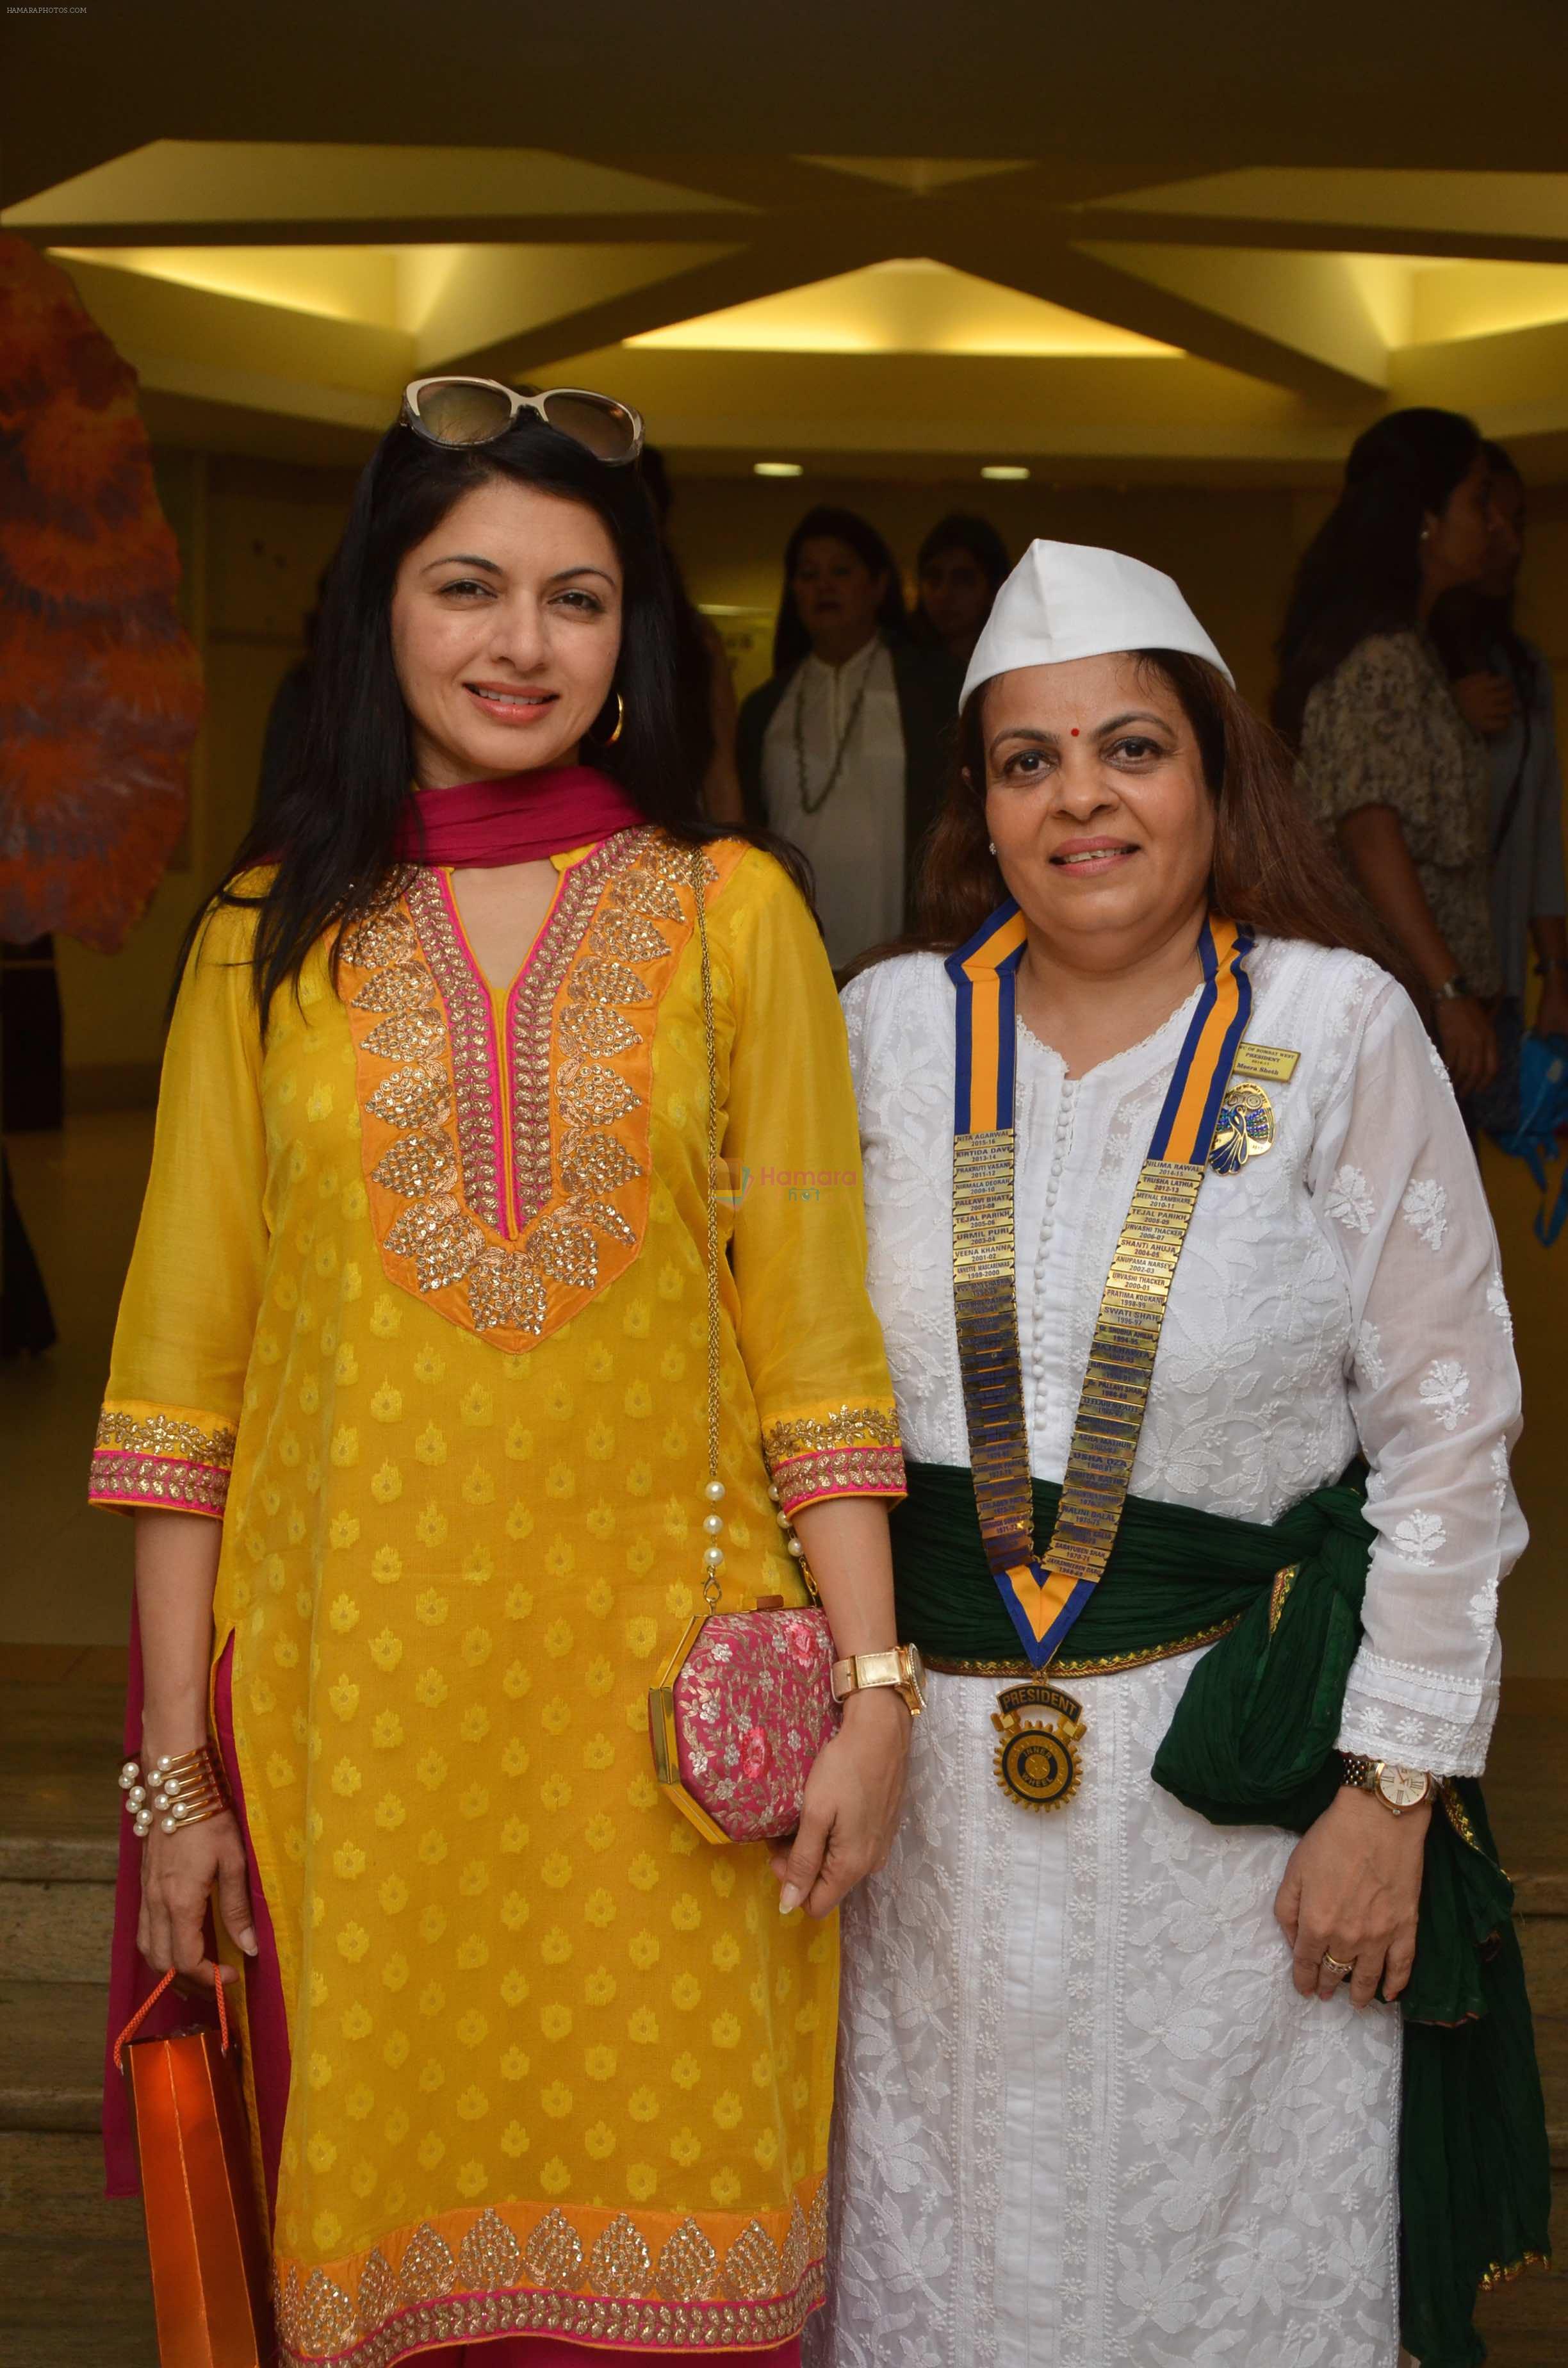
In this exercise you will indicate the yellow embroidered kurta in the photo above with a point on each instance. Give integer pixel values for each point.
(418, 1307)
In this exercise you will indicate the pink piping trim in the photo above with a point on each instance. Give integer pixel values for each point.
(492, 1051)
(509, 1020)
(266, 2017)
(107, 1504)
(563, 2352)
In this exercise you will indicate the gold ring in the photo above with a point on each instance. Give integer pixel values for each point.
(1341, 1972)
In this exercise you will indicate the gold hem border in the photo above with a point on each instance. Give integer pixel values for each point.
(1102, 1666)
(718, 2326)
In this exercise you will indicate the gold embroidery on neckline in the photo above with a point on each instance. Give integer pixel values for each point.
(577, 1072)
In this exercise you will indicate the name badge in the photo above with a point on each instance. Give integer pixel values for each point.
(1270, 1061)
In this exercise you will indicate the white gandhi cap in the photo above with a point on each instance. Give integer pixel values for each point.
(1068, 601)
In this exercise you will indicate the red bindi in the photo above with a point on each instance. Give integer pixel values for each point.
(1075, 732)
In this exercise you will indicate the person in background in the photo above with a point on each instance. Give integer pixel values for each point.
(1390, 763)
(1503, 687)
(705, 693)
(962, 563)
(842, 750)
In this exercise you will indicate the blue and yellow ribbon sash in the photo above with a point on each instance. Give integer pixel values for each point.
(1045, 1594)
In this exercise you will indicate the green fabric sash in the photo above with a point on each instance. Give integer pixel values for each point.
(1253, 1743)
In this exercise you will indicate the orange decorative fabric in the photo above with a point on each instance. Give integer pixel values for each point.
(100, 688)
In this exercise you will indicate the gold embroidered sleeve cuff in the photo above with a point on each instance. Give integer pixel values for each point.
(854, 1452)
(161, 1457)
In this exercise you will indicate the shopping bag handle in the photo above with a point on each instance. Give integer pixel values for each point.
(150, 2000)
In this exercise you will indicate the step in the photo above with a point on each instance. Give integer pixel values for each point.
(52, 2054)
(55, 1932)
(74, 2284)
(52, 2185)
(54, 2222)
(58, 1827)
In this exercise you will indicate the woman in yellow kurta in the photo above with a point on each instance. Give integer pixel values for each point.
(418, 1311)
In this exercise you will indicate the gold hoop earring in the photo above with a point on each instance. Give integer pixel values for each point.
(619, 720)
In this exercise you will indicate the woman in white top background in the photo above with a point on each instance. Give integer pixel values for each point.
(844, 750)
(1120, 2082)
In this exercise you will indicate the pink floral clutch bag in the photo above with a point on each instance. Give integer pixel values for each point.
(738, 1717)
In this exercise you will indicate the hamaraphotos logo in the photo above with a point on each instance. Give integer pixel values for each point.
(731, 1183)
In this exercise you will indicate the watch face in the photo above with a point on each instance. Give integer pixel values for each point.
(1402, 1788)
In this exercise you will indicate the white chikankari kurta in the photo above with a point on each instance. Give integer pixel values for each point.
(1084, 2117)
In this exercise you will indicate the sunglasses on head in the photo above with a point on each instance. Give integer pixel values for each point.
(461, 413)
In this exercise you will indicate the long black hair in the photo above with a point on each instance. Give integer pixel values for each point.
(693, 654)
(332, 833)
(1361, 573)
(1471, 627)
(790, 639)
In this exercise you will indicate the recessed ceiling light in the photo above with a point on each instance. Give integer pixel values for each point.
(777, 469)
(1005, 472)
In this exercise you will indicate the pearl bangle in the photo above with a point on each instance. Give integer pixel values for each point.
(183, 1790)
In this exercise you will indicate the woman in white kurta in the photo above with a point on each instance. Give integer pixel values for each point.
(1085, 2115)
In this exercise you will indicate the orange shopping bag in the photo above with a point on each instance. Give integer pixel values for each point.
(204, 2238)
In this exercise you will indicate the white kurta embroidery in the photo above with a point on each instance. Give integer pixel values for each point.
(1445, 1391)
(1425, 1207)
(1370, 1353)
(1350, 1201)
(1418, 1538)
(1083, 2119)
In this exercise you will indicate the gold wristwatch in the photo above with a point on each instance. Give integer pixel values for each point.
(902, 1669)
(1397, 1788)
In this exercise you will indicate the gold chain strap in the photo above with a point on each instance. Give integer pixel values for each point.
(714, 1491)
(711, 1590)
